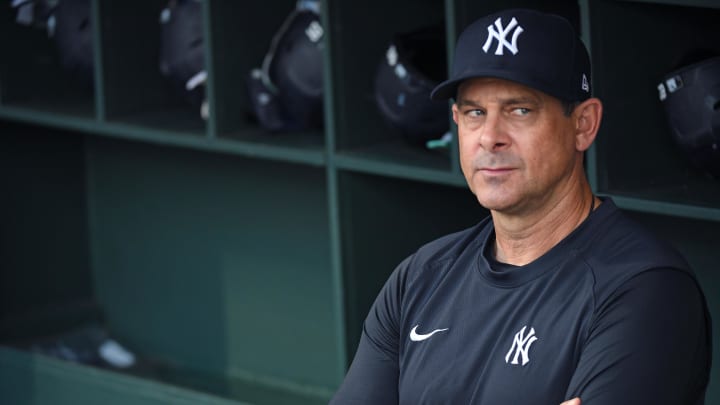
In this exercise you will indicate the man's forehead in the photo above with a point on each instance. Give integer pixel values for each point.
(496, 90)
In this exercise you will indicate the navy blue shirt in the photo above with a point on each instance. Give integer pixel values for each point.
(610, 314)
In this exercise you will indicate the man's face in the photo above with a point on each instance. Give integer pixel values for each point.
(517, 147)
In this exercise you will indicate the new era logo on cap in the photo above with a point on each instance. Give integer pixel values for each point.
(539, 50)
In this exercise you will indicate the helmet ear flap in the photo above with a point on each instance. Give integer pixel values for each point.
(36, 14)
(412, 65)
(265, 103)
(72, 32)
(716, 120)
(182, 49)
(713, 102)
(286, 92)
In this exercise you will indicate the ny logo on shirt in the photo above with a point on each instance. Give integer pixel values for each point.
(521, 346)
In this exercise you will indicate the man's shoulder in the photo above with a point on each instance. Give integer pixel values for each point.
(619, 239)
(622, 248)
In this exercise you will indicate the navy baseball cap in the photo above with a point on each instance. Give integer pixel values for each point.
(539, 50)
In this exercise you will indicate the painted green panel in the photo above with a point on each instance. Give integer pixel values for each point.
(214, 264)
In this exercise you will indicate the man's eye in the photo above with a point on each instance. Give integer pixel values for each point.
(475, 113)
(521, 111)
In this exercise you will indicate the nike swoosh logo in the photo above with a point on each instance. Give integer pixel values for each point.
(418, 337)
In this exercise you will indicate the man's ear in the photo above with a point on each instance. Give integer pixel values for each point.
(587, 115)
(455, 113)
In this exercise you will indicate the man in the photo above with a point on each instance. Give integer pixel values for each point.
(557, 296)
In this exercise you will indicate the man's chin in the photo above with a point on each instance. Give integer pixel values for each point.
(494, 205)
(501, 206)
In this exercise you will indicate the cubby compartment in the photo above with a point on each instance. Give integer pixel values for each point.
(44, 210)
(359, 39)
(219, 285)
(136, 93)
(242, 35)
(637, 158)
(224, 291)
(46, 74)
(383, 221)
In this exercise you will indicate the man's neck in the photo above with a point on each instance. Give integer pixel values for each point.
(521, 239)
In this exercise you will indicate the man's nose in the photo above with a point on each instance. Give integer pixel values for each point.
(493, 135)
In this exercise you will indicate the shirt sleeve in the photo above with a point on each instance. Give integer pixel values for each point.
(648, 344)
(373, 374)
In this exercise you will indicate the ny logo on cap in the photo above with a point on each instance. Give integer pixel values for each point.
(500, 35)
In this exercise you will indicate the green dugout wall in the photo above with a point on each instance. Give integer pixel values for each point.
(239, 265)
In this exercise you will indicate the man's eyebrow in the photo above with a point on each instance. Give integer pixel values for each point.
(466, 102)
(502, 101)
(521, 100)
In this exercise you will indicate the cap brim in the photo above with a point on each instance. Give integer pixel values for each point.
(448, 89)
